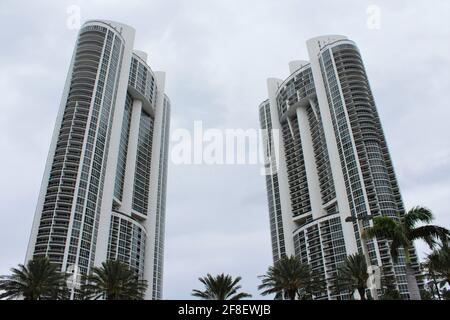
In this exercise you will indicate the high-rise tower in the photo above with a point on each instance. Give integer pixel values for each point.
(104, 185)
(330, 168)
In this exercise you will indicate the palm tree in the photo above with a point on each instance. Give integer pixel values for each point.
(114, 280)
(220, 287)
(438, 262)
(289, 278)
(431, 282)
(316, 284)
(38, 280)
(437, 269)
(353, 274)
(389, 289)
(402, 231)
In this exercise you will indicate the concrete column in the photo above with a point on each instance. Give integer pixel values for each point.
(314, 46)
(150, 223)
(130, 168)
(104, 223)
(285, 201)
(310, 162)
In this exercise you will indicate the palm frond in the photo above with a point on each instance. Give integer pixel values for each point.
(38, 280)
(241, 296)
(113, 280)
(220, 287)
(438, 263)
(353, 273)
(415, 215)
(430, 233)
(288, 278)
(383, 227)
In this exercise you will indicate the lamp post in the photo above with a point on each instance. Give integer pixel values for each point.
(372, 270)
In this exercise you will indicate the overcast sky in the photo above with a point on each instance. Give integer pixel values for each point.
(217, 55)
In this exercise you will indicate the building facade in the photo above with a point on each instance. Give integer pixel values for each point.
(103, 191)
(330, 163)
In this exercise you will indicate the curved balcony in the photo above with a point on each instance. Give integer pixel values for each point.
(127, 241)
(142, 84)
(295, 91)
(59, 198)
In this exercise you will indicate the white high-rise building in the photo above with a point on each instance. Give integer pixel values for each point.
(330, 166)
(104, 185)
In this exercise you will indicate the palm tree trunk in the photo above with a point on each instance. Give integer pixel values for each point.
(292, 294)
(362, 293)
(436, 285)
(413, 288)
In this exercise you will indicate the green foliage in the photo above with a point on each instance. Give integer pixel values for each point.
(403, 231)
(438, 262)
(38, 280)
(446, 294)
(114, 280)
(352, 275)
(436, 271)
(426, 295)
(388, 287)
(289, 278)
(220, 287)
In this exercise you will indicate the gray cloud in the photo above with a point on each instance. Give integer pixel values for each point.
(217, 56)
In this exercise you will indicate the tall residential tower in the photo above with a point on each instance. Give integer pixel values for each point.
(330, 168)
(104, 186)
